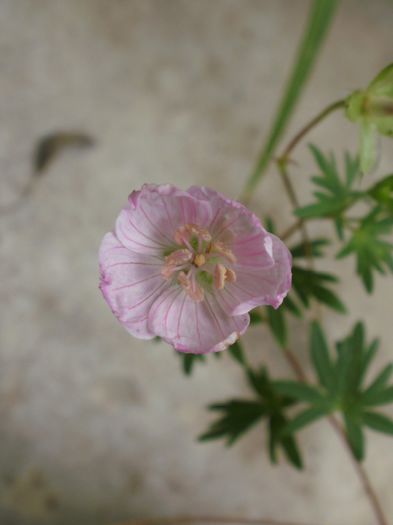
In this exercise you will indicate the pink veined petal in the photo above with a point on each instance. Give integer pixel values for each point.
(229, 217)
(130, 283)
(259, 285)
(149, 222)
(193, 327)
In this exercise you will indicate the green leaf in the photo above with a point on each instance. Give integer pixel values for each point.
(382, 397)
(355, 437)
(342, 389)
(292, 451)
(237, 416)
(277, 324)
(337, 194)
(269, 224)
(373, 252)
(189, 360)
(236, 351)
(320, 358)
(369, 354)
(320, 17)
(255, 317)
(291, 306)
(327, 297)
(311, 284)
(377, 386)
(354, 347)
(299, 391)
(313, 248)
(382, 192)
(277, 424)
(305, 418)
(261, 384)
(378, 422)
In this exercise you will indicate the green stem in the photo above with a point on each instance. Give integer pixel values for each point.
(291, 230)
(282, 166)
(284, 157)
(309, 126)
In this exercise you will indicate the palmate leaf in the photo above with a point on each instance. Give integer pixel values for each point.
(237, 353)
(378, 422)
(321, 359)
(368, 243)
(335, 193)
(309, 284)
(237, 416)
(255, 317)
(276, 405)
(382, 192)
(306, 284)
(314, 248)
(355, 436)
(277, 324)
(304, 418)
(343, 387)
(188, 361)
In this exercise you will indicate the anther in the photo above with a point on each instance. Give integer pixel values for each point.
(199, 260)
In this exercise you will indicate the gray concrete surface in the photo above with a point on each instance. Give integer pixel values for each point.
(97, 426)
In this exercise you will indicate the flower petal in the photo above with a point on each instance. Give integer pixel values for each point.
(130, 283)
(262, 277)
(194, 327)
(230, 219)
(152, 216)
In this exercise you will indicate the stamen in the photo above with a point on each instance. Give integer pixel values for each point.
(188, 282)
(185, 233)
(223, 274)
(219, 276)
(175, 261)
(199, 260)
(197, 251)
(230, 276)
(181, 235)
(200, 233)
(220, 248)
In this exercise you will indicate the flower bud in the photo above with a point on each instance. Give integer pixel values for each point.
(372, 108)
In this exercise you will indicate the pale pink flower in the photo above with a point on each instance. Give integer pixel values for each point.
(188, 266)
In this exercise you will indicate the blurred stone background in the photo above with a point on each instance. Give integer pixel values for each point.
(97, 426)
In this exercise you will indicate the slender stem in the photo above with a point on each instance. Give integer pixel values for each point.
(309, 126)
(282, 166)
(291, 230)
(362, 474)
(207, 519)
(283, 159)
(250, 187)
(360, 471)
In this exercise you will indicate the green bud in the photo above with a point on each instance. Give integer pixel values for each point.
(372, 108)
(382, 192)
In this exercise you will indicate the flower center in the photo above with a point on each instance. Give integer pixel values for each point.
(199, 263)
